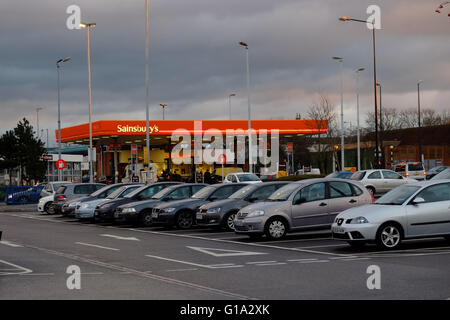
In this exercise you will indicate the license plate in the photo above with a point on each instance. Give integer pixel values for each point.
(199, 216)
(338, 230)
(154, 215)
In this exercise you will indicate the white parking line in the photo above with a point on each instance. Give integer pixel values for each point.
(298, 260)
(298, 240)
(96, 246)
(181, 270)
(10, 244)
(314, 261)
(178, 261)
(323, 246)
(257, 262)
(270, 264)
(22, 270)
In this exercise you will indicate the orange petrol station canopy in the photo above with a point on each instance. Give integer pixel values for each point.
(118, 128)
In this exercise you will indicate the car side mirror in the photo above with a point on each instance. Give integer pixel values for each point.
(418, 200)
(300, 201)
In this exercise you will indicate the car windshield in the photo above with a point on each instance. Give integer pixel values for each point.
(442, 175)
(163, 192)
(358, 175)
(283, 193)
(242, 193)
(135, 192)
(206, 191)
(116, 193)
(398, 195)
(108, 189)
(57, 185)
(247, 177)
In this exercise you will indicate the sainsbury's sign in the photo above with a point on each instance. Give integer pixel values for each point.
(136, 129)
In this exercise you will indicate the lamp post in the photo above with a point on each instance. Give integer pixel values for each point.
(58, 66)
(147, 85)
(37, 121)
(88, 27)
(250, 158)
(229, 103)
(381, 126)
(377, 156)
(420, 128)
(341, 62)
(358, 133)
(163, 105)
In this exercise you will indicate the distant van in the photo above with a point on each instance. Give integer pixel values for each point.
(413, 170)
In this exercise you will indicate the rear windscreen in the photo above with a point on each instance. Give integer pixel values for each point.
(401, 168)
(415, 167)
(61, 190)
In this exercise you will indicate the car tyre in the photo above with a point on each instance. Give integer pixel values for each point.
(228, 221)
(276, 228)
(185, 220)
(389, 236)
(48, 208)
(145, 219)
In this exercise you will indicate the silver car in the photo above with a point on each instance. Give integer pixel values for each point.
(410, 211)
(380, 180)
(312, 203)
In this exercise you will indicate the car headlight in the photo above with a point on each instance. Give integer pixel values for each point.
(213, 210)
(359, 220)
(84, 206)
(256, 213)
(129, 210)
(168, 210)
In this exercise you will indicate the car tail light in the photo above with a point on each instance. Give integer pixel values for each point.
(424, 173)
(61, 196)
(407, 174)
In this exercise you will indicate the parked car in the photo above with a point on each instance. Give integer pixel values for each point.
(242, 177)
(379, 180)
(72, 191)
(301, 205)
(105, 211)
(434, 171)
(85, 209)
(411, 211)
(340, 175)
(411, 170)
(141, 211)
(444, 174)
(182, 213)
(221, 214)
(51, 187)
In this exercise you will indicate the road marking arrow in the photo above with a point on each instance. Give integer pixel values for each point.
(120, 238)
(225, 252)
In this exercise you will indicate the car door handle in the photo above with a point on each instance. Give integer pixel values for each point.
(352, 201)
(323, 204)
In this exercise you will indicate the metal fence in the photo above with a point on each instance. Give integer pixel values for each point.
(20, 195)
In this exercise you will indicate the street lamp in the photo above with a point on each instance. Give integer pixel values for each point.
(229, 102)
(37, 121)
(58, 66)
(381, 126)
(163, 105)
(88, 27)
(420, 128)
(250, 158)
(341, 61)
(358, 134)
(346, 19)
(147, 86)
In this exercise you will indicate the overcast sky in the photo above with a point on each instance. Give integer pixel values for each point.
(196, 61)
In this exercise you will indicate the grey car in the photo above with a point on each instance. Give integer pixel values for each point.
(140, 212)
(221, 214)
(302, 205)
(417, 210)
(379, 181)
(72, 191)
(181, 213)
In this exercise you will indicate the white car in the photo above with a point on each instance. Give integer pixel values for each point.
(417, 210)
(244, 177)
(380, 181)
(45, 205)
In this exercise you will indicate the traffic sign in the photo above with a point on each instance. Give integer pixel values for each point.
(222, 159)
(60, 164)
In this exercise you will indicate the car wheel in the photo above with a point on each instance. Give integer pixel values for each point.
(48, 208)
(276, 229)
(389, 236)
(356, 244)
(229, 221)
(145, 219)
(185, 220)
